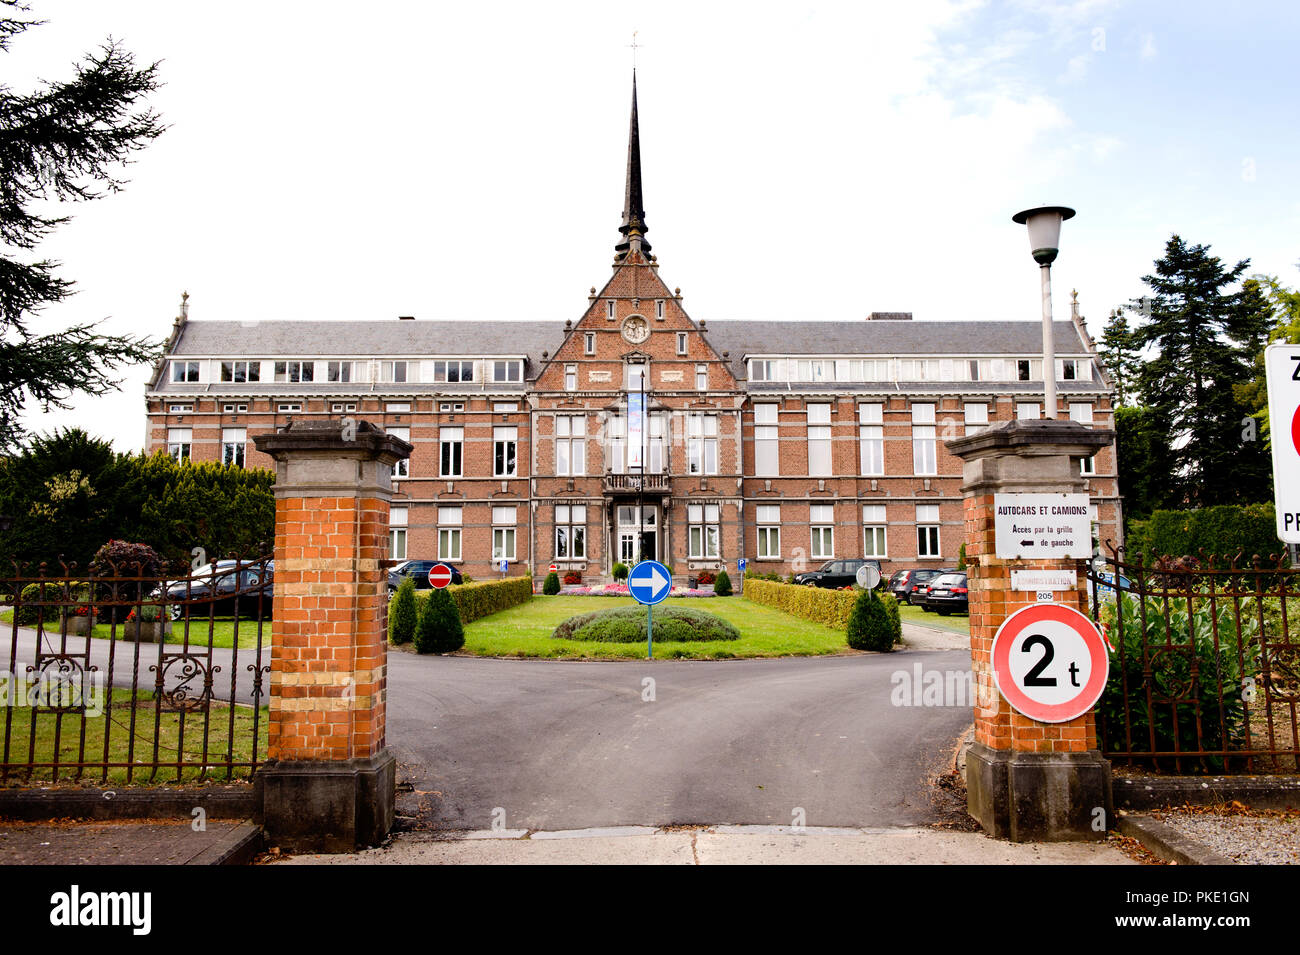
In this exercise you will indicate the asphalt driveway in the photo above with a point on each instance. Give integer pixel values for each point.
(527, 744)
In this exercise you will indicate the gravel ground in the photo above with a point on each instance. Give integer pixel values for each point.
(1250, 837)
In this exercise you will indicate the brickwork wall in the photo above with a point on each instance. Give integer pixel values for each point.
(329, 659)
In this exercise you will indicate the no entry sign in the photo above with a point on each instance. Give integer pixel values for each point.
(1050, 662)
(439, 576)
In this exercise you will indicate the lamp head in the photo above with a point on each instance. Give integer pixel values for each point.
(1044, 230)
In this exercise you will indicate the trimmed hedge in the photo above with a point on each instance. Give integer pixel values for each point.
(628, 625)
(481, 600)
(830, 608)
(1222, 530)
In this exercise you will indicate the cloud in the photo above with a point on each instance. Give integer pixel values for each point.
(1148, 51)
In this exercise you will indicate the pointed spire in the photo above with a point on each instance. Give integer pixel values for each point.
(633, 228)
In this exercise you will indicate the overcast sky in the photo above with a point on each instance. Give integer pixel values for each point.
(459, 161)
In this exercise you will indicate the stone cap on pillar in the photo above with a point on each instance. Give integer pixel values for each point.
(333, 436)
(1044, 451)
(333, 458)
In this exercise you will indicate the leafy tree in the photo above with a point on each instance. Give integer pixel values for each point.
(1285, 303)
(1199, 342)
(1119, 355)
(60, 143)
(1145, 461)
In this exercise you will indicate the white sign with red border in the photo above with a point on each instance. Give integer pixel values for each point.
(1282, 370)
(1050, 662)
(439, 576)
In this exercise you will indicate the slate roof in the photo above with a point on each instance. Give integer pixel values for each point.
(887, 338)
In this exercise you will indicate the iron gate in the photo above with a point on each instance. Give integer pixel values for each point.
(1205, 662)
(135, 678)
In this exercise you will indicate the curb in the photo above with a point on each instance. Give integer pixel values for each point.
(1167, 843)
(223, 802)
(238, 847)
(1139, 793)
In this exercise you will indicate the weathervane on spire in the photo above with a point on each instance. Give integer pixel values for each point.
(635, 46)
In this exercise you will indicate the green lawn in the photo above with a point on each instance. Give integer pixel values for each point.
(223, 631)
(525, 631)
(118, 721)
(957, 623)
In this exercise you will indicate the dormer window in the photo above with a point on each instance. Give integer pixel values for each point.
(506, 371)
(294, 371)
(185, 371)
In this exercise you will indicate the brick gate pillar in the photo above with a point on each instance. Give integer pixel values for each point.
(329, 781)
(1025, 780)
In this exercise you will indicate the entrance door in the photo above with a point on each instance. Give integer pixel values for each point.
(627, 533)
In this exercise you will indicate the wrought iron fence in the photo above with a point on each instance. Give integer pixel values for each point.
(1205, 663)
(130, 677)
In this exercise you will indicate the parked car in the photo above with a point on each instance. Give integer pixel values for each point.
(947, 593)
(906, 584)
(248, 591)
(835, 574)
(418, 570)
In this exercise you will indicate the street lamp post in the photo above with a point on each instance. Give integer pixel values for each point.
(1044, 225)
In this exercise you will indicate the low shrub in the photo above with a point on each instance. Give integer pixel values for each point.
(403, 613)
(53, 599)
(830, 608)
(705, 577)
(869, 626)
(551, 586)
(620, 571)
(628, 625)
(895, 618)
(722, 584)
(439, 629)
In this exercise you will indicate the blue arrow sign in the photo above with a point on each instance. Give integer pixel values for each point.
(649, 582)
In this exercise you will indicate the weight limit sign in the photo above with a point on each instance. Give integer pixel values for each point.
(1050, 662)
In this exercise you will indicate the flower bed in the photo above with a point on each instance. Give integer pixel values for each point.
(620, 590)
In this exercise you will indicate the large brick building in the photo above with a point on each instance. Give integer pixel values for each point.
(784, 443)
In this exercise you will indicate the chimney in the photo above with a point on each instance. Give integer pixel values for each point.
(406, 318)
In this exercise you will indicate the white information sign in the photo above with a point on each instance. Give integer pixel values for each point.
(1033, 526)
(1282, 367)
(1036, 580)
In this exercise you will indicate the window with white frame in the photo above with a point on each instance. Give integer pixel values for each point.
(1081, 411)
(449, 521)
(821, 518)
(1027, 410)
(927, 530)
(505, 406)
(609, 308)
(505, 441)
(659, 308)
(769, 531)
(507, 371)
(681, 343)
(338, 371)
(977, 416)
(819, 440)
(570, 377)
(453, 371)
(874, 527)
(762, 369)
(343, 406)
(589, 343)
(295, 371)
(616, 443)
(397, 406)
(571, 444)
(403, 467)
(241, 371)
(767, 443)
(635, 377)
(179, 442)
(451, 452)
(871, 438)
(702, 444)
(397, 518)
(923, 444)
(233, 441)
(185, 371)
(570, 532)
(703, 531)
(180, 409)
(503, 533)
(236, 409)
(701, 377)
(656, 461)
(289, 406)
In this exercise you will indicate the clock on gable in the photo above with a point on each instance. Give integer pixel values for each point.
(636, 329)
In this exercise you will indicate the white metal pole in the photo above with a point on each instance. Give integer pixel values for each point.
(1049, 347)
